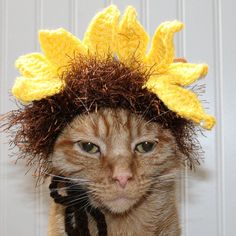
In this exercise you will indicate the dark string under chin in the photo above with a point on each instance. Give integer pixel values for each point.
(77, 208)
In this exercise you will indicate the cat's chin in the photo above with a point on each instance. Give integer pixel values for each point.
(120, 205)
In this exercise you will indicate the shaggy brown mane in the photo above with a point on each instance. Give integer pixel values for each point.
(91, 84)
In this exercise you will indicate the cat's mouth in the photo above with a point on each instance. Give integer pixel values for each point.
(116, 200)
(120, 203)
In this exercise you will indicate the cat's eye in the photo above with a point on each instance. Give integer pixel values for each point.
(88, 147)
(145, 147)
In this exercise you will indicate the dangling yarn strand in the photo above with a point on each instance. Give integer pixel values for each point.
(78, 212)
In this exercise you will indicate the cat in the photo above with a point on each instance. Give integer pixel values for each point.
(129, 167)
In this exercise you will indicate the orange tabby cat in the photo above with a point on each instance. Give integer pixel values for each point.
(129, 167)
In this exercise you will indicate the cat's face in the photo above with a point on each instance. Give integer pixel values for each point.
(117, 155)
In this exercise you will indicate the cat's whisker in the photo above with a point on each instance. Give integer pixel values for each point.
(77, 199)
(75, 202)
(43, 191)
(61, 178)
(75, 186)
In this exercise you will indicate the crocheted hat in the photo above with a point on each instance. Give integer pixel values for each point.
(127, 40)
(111, 67)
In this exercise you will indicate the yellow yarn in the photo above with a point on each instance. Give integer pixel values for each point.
(185, 103)
(161, 54)
(34, 64)
(25, 89)
(101, 33)
(128, 41)
(59, 46)
(132, 40)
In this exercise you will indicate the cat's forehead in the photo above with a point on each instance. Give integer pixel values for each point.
(112, 121)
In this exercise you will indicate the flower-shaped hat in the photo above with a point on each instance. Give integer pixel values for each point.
(127, 41)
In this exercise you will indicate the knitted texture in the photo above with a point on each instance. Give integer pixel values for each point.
(126, 40)
(132, 40)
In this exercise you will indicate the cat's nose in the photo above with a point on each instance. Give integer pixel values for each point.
(122, 179)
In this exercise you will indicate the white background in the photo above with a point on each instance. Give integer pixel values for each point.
(209, 196)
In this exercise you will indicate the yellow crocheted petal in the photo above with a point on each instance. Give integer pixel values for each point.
(101, 33)
(59, 46)
(185, 103)
(161, 54)
(186, 73)
(35, 65)
(32, 89)
(132, 40)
